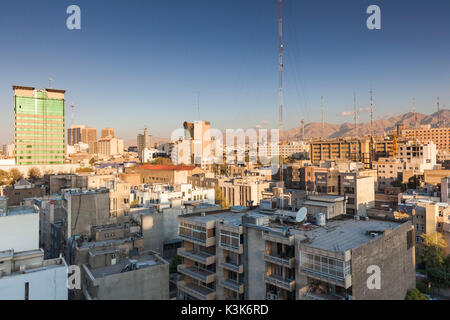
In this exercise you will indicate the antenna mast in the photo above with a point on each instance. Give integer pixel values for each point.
(323, 118)
(280, 80)
(355, 115)
(371, 113)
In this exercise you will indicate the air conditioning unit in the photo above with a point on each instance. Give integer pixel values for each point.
(271, 296)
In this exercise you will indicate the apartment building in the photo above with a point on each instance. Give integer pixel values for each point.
(425, 134)
(108, 133)
(106, 147)
(144, 141)
(24, 273)
(167, 174)
(356, 150)
(39, 126)
(212, 253)
(243, 192)
(81, 134)
(251, 255)
(356, 186)
(161, 196)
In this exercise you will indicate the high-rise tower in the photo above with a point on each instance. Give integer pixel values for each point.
(39, 126)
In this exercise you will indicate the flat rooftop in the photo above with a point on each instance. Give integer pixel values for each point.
(343, 235)
(229, 218)
(145, 261)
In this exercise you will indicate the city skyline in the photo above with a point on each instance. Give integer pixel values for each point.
(149, 54)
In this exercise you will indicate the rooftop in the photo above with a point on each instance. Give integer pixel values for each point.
(167, 167)
(124, 265)
(343, 235)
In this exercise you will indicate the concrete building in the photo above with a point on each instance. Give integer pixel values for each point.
(359, 189)
(39, 126)
(108, 133)
(107, 147)
(22, 189)
(24, 274)
(445, 189)
(144, 141)
(242, 192)
(250, 255)
(167, 174)
(357, 150)
(81, 134)
(143, 277)
(425, 134)
(160, 196)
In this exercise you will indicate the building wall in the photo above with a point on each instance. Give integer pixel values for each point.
(396, 261)
(255, 267)
(151, 283)
(19, 232)
(47, 284)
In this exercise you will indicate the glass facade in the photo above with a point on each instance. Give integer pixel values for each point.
(39, 130)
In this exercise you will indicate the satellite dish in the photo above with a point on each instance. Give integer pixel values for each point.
(301, 215)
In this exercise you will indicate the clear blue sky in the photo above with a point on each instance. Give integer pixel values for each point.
(137, 63)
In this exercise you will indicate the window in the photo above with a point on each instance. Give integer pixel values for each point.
(27, 290)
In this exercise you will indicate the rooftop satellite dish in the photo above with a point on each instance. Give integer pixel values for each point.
(301, 215)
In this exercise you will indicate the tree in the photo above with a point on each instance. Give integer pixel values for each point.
(92, 161)
(220, 198)
(85, 170)
(15, 175)
(34, 174)
(4, 178)
(134, 204)
(174, 264)
(415, 294)
(432, 254)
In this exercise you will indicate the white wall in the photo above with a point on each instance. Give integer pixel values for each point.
(19, 232)
(47, 284)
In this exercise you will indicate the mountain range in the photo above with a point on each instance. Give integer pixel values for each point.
(381, 126)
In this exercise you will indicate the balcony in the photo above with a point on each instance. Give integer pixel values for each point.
(279, 238)
(239, 249)
(198, 256)
(285, 262)
(286, 284)
(197, 291)
(209, 242)
(233, 267)
(233, 286)
(202, 275)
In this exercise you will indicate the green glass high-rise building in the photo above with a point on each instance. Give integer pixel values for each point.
(39, 130)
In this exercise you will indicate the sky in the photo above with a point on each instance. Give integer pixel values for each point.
(142, 63)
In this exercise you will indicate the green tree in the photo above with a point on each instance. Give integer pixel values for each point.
(15, 175)
(432, 253)
(174, 264)
(92, 161)
(415, 294)
(220, 198)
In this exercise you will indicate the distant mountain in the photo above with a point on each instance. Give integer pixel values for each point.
(132, 142)
(314, 129)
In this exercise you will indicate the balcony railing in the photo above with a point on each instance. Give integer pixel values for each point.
(198, 256)
(233, 285)
(285, 262)
(286, 284)
(237, 249)
(197, 291)
(233, 267)
(211, 241)
(203, 275)
(278, 238)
